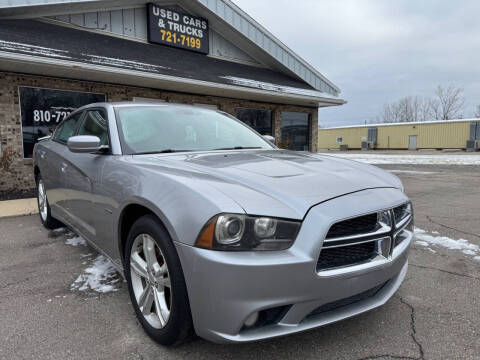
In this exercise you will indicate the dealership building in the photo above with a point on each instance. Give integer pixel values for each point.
(57, 55)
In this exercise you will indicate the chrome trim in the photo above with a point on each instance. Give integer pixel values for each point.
(382, 231)
(384, 257)
(403, 222)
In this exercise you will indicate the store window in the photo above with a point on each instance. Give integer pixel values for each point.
(295, 130)
(260, 120)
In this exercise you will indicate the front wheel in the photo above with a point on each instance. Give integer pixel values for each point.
(44, 207)
(156, 283)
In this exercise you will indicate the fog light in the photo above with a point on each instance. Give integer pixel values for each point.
(251, 320)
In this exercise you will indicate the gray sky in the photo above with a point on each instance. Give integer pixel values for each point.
(378, 51)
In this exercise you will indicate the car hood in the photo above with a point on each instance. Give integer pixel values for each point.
(275, 182)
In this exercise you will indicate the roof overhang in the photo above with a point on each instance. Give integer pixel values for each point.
(37, 65)
(223, 15)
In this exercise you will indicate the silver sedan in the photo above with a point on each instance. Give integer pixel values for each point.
(216, 230)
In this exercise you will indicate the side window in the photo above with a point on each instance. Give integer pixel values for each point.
(67, 128)
(95, 124)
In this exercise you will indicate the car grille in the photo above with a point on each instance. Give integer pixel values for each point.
(334, 305)
(346, 255)
(401, 212)
(365, 238)
(355, 226)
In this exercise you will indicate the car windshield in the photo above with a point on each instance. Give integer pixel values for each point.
(164, 128)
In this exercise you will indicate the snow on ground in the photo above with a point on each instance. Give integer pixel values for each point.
(425, 239)
(411, 172)
(76, 241)
(443, 159)
(100, 276)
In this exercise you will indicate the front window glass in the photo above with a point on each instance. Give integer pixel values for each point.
(170, 128)
(67, 128)
(95, 124)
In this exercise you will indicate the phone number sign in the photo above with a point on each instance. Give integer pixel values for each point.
(177, 29)
(42, 109)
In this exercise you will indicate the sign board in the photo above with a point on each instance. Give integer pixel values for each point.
(42, 109)
(177, 29)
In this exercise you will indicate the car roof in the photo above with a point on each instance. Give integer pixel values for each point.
(120, 104)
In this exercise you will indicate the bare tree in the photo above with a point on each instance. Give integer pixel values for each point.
(448, 103)
(407, 109)
(477, 112)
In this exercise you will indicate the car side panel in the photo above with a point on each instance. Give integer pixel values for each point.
(169, 195)
(49, 157)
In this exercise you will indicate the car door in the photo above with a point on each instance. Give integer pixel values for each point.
(84, 173)
(53, 156)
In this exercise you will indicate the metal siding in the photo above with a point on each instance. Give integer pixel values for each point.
(91, 20)
(117, 21)
(221, 47)
(141, 23)
(104, 22)
(429, 136)
(64, 18)
(128, 22)
(77, 19)
(327, 138)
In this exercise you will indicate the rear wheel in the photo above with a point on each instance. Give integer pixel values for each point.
(156, 283)
(44, 208)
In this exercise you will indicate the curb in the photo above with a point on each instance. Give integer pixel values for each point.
(20, 207)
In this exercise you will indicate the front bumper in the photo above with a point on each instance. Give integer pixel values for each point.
(225, 288)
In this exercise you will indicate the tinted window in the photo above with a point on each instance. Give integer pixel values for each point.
(158, 128)
(95, 124)
(67, 128)
(260, 120)
(295, 130)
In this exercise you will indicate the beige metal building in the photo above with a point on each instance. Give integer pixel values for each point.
(451, 134)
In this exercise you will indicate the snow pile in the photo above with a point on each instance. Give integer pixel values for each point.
(444, 159)
(101, 277)
(412, 172)
(427, 239)
(76, 241)
(276, 88)
(103, 60)
(33, 50)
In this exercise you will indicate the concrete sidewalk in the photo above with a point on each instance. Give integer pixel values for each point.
(18, 207)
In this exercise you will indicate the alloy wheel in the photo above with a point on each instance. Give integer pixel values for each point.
(150, 281)
(42, 200)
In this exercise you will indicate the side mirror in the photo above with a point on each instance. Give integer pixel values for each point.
(269, 138)
(84, 144)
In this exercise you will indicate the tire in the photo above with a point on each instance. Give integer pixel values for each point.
(148, 283)
(44, 207)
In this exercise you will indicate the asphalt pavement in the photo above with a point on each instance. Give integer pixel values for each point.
(434, 315)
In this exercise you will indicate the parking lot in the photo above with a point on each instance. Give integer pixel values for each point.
(48, 312)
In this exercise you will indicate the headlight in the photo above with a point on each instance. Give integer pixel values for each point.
(234, 232)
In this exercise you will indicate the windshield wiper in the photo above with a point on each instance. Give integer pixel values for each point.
(166, 151)
(239, 148)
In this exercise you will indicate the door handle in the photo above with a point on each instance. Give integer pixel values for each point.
(64, 167)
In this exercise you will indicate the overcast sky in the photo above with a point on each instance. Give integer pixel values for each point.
(378, 51)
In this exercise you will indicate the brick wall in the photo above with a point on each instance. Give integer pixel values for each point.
(20, 176)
